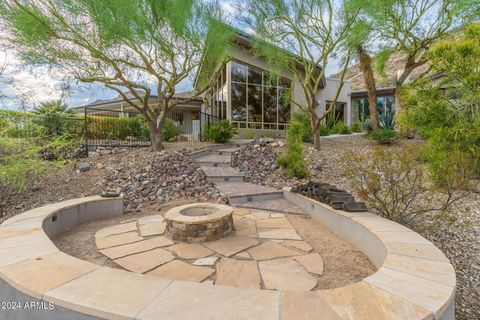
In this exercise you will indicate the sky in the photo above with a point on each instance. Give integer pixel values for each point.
(22, 88)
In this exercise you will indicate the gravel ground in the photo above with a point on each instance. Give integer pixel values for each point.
(459, 241)
(90, 176)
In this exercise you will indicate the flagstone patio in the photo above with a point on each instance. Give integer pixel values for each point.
(265, 252)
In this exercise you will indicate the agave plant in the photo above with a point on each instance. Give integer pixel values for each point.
(387, 120)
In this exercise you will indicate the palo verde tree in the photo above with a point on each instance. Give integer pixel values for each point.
(411, 27)
(142, 49)
(361, 39)
(306, 35)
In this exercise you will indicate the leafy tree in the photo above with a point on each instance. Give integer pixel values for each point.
(311, 29)
(447, 112)
(411, 27)
(360, 38)
(130, 44)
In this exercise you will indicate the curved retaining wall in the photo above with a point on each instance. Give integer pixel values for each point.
(414, 279)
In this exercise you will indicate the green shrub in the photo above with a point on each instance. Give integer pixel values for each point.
(325, 131)
(384, 136)
(303, 119)
(171, 130)
(367, 126)
(341, 128)
(293, 159)
(356, 127)
(220, 132)
(249, 134)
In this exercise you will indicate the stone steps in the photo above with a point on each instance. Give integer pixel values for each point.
(222, 174)
(275, 205)
(239, 192)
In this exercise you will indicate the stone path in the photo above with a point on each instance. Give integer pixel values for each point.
(265, 252)
(216, 163)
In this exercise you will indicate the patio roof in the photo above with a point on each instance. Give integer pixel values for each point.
(116, 103)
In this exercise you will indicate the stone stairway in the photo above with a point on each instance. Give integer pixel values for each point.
(216, 163)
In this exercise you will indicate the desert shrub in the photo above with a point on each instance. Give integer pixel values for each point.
(325, 131)
(449, 119)
(117, 128)
(396, 186)
(171, 130)
(293, 159)
(303, 119)
(356, 128)
(383, 136)
(220, 132)
(367, 126)
(341, 128)
(249, 134)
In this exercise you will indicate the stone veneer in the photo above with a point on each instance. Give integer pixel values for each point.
(414, 279)
(199, 222)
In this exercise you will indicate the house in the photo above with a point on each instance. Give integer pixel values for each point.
(245, 94)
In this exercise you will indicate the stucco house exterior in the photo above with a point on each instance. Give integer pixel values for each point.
(245, 93)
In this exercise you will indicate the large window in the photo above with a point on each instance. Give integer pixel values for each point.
(218, 96)
(259, 100)
(361, 108)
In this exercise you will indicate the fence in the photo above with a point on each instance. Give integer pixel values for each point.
(206, 120)
(42, 131)
(100, 128)
(110, 128)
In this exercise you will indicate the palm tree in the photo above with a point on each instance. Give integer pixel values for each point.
(55, 107)
(52, 117)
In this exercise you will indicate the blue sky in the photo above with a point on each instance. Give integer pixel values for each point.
(36, 85)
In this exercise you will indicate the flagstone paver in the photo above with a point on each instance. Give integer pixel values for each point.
(152, 229)
(301, 245)
(230, 245)
(209, 261)
(245, 227)
(145, 261)
(285, 275)
(156, 218)
(242, 255)
(277, 223)
(42, 275)
(190, 250)
(136, 247)
(108, 293)
(312, 262)
(238, 273)
(270, 250)
(182, 300)
(361, 301)
(117, 240)
(258, 215)
(307, 306)
(285, 234)
(116, 229)
(179, 270)
(241, 211)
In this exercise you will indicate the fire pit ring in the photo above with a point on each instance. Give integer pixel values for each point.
(199, 222)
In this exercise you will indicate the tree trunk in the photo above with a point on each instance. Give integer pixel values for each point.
(398, 103)
(368, 78)
(316, 133)
(156, 134)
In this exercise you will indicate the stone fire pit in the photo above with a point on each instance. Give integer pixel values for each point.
(199, 222)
